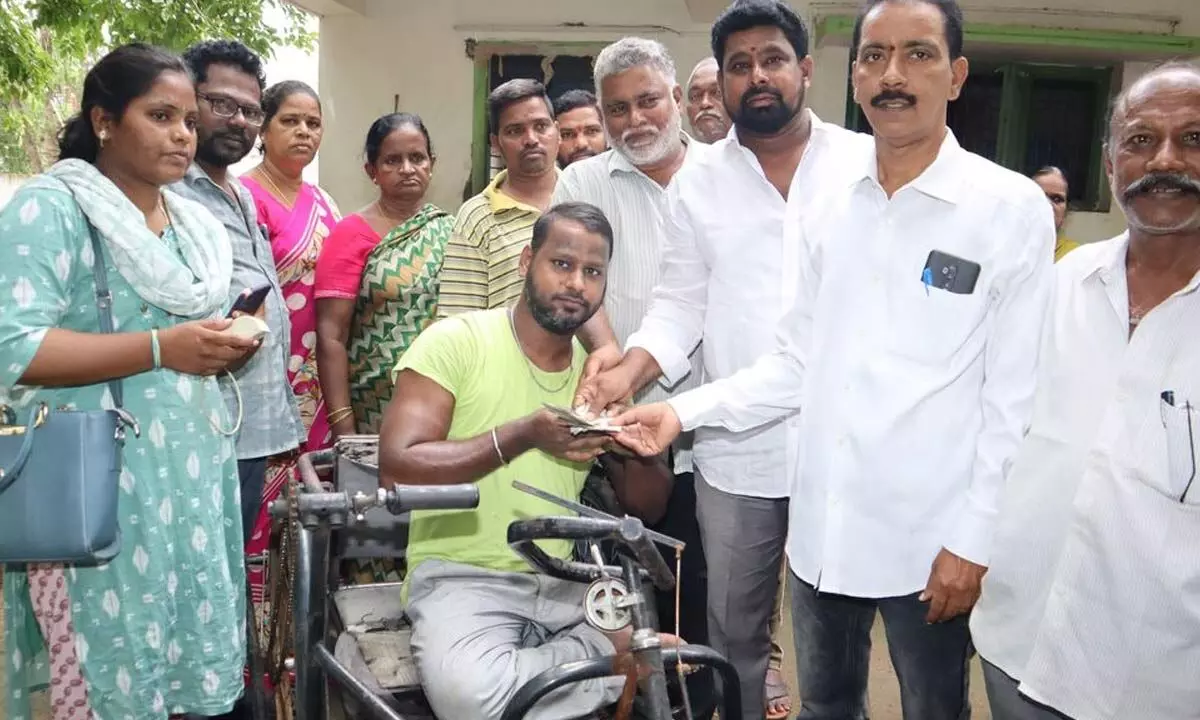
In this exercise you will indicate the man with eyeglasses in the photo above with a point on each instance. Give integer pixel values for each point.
(229, 85)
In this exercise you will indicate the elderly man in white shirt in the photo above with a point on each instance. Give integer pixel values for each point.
(728, 277)
(1091, 608)
(910, 353)
(640, 109)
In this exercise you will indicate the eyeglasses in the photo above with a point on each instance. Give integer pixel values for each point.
(226, 108)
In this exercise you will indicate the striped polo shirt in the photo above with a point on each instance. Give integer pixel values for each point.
(481, 268)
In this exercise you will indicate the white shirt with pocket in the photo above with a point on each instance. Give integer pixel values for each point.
(1092, 601)
(912, 398)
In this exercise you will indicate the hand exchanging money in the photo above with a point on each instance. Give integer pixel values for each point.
(648, 430)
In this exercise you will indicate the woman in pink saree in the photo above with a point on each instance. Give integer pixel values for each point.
(298, 216)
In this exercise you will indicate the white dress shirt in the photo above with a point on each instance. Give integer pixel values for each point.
(635, 206)
(1092, 601)
(912, 399)
(728, 280)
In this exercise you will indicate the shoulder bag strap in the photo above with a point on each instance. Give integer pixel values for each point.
(104, 304)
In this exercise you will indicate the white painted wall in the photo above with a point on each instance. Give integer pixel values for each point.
(413, 51)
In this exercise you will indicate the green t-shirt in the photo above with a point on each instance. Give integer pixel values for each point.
(475, 357)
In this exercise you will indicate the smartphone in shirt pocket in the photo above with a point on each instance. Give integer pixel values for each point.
(1181, 421)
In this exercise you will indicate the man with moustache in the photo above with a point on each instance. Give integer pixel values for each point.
(1089, 608)
(469, 408)
(910, 353)
(480, 270)
(229, 85)
(640, 105)
(705, 109)
(581, 134)
(732, 224)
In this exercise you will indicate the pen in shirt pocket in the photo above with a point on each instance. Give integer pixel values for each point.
(1180, 425)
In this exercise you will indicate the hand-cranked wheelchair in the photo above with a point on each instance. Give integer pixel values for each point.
(351, 643)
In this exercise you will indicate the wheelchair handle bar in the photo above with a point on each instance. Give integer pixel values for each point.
(628, 532)
(316, 503)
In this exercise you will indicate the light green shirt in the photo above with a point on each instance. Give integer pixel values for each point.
(475, 357)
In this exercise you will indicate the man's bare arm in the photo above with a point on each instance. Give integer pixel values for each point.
(597, 332)
(413, 449)
(643, 485)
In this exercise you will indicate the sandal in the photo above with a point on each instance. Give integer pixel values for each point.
(779, 701)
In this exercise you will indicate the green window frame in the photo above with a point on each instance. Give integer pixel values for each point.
(481, 53)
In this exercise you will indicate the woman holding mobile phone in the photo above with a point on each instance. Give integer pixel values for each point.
(157, 631)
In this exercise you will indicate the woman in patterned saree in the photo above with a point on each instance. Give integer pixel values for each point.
(158, 630)
(298, 217)
(377, 278)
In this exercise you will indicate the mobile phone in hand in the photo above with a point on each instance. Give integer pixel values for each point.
(249, 301)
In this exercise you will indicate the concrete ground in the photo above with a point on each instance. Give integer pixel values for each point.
(884, 691)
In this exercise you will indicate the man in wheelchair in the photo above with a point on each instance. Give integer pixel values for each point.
(470, 407)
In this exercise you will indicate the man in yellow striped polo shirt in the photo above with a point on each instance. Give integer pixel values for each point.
(480, 270)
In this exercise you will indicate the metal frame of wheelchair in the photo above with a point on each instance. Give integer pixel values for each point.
(330, 659)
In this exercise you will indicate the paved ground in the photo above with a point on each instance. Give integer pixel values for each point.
(884, 691)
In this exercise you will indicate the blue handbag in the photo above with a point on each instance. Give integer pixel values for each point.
(60, 471)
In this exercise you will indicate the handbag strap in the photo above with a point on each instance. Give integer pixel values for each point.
(104, 304)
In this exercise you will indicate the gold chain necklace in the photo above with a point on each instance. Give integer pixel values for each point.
(512, 325)
(383, 214)
(266, 175)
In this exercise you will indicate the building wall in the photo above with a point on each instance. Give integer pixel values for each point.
(410, 54)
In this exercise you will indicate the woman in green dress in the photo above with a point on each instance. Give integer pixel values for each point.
(158, 631)
(376, 281)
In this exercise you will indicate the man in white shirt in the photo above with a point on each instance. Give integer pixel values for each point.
(728, 277)
(910, 353)
(1091, 608)
(640, 105)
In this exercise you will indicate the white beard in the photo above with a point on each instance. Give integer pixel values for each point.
(656, 151)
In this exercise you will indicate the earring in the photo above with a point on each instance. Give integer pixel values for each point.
(103, 137)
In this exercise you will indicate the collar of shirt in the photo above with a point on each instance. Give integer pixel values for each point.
(199, 181)
(943, 179)
(500, 201)
(1108, 265)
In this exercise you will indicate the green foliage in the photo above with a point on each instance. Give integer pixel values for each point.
(46, 47)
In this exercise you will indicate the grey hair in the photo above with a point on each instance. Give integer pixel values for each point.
(631, 52)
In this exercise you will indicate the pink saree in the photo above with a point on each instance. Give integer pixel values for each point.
(296, 236)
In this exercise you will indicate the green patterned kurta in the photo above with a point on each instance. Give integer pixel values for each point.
(160, 629)
(397, 299)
